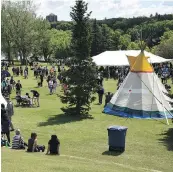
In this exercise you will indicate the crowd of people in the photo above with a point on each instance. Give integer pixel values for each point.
(164, 72)
(8, 85)
(18, 141)
(54, 78)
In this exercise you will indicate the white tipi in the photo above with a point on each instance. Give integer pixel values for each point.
(141, 95)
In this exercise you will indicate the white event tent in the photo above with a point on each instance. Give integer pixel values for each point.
(119, 58)
(3, 101)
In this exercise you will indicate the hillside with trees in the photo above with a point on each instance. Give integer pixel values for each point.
(29, 37)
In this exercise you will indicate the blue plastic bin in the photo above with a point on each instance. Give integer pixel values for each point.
(117, 137)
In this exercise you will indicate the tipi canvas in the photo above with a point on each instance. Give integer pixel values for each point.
(141, 95)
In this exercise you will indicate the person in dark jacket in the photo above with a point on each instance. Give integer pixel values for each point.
(100, 94)
(108, 98)
(18, 88)
(5, 124)
(41, 79)
(10, 112)
(36, 97)
(53, 146)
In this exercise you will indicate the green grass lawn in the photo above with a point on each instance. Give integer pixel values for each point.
(84, 145)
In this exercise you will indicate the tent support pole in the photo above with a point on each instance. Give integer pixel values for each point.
(163, 108)
(161, 93)
(108, 73)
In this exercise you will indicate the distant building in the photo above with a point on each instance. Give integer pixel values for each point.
(52, 18)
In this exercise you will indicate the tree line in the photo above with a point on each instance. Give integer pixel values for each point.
(29, 37)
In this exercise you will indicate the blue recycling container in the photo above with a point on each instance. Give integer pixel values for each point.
(116, 138)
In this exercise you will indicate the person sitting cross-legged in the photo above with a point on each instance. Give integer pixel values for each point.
(32, 144)
(18, 142)
(53, 146)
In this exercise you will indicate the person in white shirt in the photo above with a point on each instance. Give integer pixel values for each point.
(51, 86)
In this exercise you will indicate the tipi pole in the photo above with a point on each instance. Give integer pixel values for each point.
(155, 96)
(163, 107)
(153, 87)
(154, 78)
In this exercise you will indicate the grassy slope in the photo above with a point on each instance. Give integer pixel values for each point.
(84, 142)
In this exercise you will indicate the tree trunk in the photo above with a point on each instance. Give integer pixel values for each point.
(45, 57)
(21, 58)
(9, 52)
(78, 107)
(24, 60)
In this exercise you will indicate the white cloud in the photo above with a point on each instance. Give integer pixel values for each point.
(105, 8)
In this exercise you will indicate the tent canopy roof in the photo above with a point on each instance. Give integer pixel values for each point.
(119, 58)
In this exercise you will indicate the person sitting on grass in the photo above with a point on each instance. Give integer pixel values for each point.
(28, 98)
(32, 144)
(53, 146)
(18, 142)
(35, 97)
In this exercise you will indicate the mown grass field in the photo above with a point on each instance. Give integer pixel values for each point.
(84, 145)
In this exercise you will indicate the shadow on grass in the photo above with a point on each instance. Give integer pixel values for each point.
(112, 153)
(160, 121)
(167, 140)
(62, 119)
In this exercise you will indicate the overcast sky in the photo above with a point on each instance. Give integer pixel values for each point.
(106, 8)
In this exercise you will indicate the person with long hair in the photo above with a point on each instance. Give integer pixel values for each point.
(53, 146)
(33, 146)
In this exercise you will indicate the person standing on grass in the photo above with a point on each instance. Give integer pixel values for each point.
(38, 81)
(17, 71)
(108, 98)
(41, 79)
(54, 84)
(10, 112)
(25, 74)
(26, 68)
(36, 97)
(50, 84)
(12, 83)
(5, 126)
(21, 71)
(18, 88)
(100, 94)
(53, 146)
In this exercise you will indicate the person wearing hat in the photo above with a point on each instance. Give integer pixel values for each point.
(18, 142)
(10, 112)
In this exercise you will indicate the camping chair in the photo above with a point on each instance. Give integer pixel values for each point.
(25, 101)
(18, 100)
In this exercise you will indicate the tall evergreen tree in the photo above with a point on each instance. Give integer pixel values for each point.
(106, 38)
(96, 39)
(81, 73)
